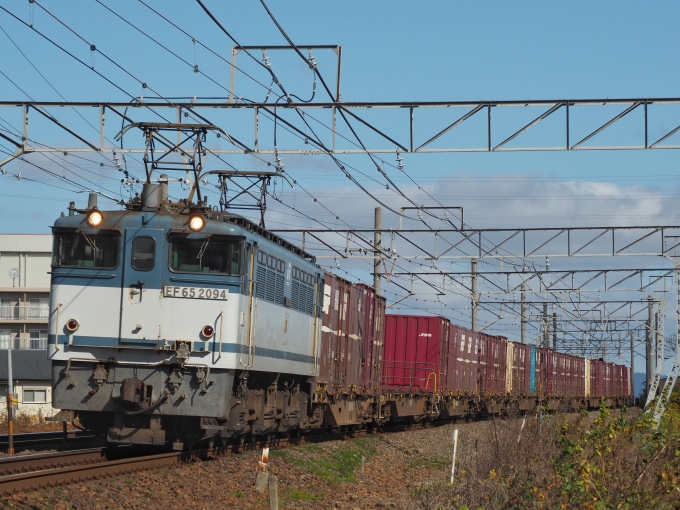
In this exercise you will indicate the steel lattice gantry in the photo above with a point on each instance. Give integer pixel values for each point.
(403, 134)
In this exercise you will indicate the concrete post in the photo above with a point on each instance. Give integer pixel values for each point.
(632, 356)
(524, 314)
(377, 238)
(554, 331)
(546, 326)
(10, 401)
(649, 367)
(273, 493)
(474, 294)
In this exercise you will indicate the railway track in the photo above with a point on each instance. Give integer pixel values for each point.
(31, 440)
(23, 472)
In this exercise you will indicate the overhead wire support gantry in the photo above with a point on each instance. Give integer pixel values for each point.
(421, 140)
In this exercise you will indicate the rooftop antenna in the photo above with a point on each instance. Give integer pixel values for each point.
(13, 274)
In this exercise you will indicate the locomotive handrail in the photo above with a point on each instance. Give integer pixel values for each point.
(189, 280)
(84, 275)
(56, 331)
(221, 323)
(251, 348)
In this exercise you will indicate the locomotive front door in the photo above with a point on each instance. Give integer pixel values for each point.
(141, 293)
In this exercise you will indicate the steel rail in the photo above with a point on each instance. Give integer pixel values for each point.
(34, 471)
(42, 439)
(18, 464)
(82, 470)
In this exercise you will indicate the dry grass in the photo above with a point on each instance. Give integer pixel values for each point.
(29, 423)
(565, 461)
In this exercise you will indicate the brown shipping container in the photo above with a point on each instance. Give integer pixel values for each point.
(351, 336)
(372, 334)
(493, 358)
(520, 368)
(465, 361)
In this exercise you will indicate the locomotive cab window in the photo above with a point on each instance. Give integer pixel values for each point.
(77, 249)
(143, 253)
(214, 254)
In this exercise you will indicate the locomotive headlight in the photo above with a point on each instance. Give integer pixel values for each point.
(95, 218)
(196, 222)
(72, 325)
(208, 331)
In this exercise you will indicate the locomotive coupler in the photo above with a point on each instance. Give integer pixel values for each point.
(133, 392)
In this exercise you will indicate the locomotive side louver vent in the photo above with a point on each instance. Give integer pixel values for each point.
(309, 301)
(261, 282)
(271, 286)
(279, 288)
(295, 295)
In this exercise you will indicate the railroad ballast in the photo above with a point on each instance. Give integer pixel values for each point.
(171, 322)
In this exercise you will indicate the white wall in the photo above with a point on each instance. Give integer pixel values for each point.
(32, 409)
(31, 254)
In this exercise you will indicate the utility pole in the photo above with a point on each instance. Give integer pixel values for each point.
(649, 368)
(474, 294)
(546, 325)
(10, 402)
(632, 358)
(554, 331)
(377, 238)
(524, 313)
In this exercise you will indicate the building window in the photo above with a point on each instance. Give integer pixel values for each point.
(38, 339)
(5, 338)
(35, 396)
(6, 308)
(39, 308)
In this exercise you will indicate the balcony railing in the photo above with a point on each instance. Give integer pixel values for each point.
(23, 342)
(24, 312)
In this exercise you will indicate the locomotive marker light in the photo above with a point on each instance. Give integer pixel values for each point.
(196, 222)
(95, 218)
(72, 325)
(208, 331)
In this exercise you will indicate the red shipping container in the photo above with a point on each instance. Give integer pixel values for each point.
(413, 352)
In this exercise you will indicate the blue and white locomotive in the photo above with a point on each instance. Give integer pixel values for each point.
(171, 322)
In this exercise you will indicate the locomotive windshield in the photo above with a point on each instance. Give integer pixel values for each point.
(213, 254)
(77, 249)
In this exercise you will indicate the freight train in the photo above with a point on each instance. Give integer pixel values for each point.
(172, 323)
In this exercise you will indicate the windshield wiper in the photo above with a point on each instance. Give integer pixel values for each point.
(201, 252)
(91, 242)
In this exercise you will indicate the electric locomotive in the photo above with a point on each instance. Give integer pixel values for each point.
(173, 322)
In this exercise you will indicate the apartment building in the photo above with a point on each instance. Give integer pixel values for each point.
(24, 290)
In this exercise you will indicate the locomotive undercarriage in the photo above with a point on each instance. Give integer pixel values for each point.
(184, 405)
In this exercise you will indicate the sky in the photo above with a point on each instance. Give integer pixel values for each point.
(391, 51)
